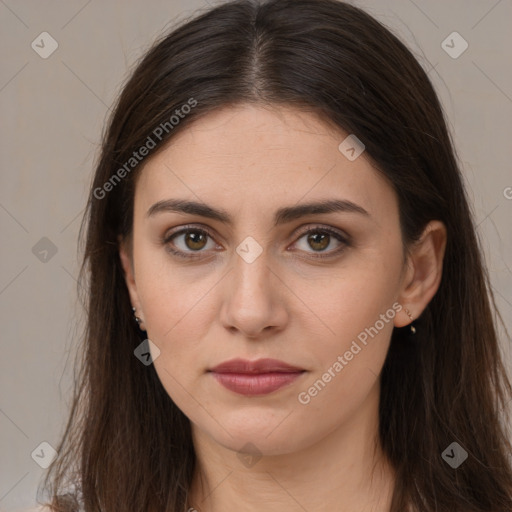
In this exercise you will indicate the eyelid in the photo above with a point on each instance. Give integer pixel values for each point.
(321, 227)
(187, 227)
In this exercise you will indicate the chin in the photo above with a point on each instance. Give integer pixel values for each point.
(264, 437)
(259, 445)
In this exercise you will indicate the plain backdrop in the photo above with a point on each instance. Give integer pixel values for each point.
(52, 113)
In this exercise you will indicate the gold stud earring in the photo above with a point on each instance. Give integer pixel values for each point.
(413, 329)
(137, 319)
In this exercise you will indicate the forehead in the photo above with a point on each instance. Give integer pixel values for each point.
(263, 156)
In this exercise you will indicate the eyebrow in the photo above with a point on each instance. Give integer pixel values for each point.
(282, 215)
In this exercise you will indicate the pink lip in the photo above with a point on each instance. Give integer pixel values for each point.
(255, 377)
(259, 366)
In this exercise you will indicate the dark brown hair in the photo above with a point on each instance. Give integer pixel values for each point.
(126, 445)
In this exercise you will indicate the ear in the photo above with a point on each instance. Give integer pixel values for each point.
(424, 272)
(126, 257)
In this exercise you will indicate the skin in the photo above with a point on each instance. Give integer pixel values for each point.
(250, 161)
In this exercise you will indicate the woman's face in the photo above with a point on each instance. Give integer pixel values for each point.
(254, 278)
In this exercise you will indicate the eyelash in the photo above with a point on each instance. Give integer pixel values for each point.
(166, 240)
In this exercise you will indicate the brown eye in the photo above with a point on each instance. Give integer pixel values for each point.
(186, 242)
(195, 240)
(319, 241)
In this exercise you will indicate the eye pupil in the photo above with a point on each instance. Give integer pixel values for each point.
(314, 238)
(194, 236)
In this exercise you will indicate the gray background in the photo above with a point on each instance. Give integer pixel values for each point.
(52, 113)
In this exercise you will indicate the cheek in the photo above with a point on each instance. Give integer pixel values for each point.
(347, 361)
(171, 295)
(350, 331)
(179, 311)
(178, 314)
(348, 300)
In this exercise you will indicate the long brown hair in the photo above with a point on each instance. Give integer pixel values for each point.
(126, 445)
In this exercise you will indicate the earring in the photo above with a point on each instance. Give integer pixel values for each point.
(413, 329)
(137, 319)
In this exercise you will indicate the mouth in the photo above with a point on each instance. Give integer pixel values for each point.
(252, 378)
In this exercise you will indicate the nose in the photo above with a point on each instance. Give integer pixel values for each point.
(254, 303)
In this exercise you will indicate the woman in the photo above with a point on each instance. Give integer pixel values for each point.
(287, 305)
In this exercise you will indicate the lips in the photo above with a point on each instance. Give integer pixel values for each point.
(258, 366)
(259, 377)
